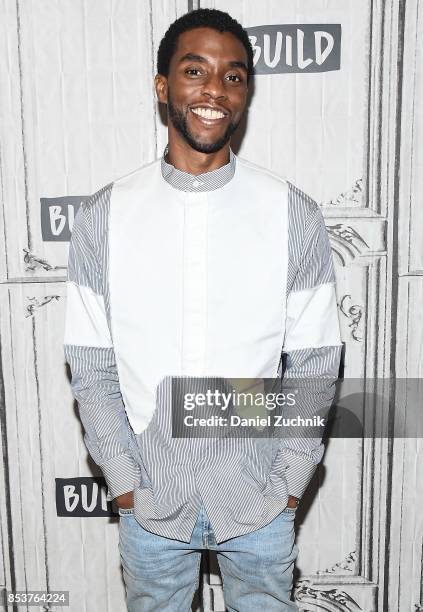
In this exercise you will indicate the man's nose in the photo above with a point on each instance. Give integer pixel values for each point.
(214, 87)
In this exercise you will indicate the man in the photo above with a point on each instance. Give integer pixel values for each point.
(199, 264)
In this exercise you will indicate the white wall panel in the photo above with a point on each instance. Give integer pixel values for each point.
(45, 442)
(411, 183)
(79, 79)
(311, 128)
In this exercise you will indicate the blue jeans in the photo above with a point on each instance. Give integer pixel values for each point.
(162, 575)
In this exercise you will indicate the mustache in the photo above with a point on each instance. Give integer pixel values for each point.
(179, 121)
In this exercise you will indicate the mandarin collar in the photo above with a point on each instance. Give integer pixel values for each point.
(208, 181)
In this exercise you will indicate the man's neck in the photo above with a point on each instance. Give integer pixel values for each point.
(185, 158)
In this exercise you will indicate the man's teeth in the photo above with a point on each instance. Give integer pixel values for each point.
(208, 113)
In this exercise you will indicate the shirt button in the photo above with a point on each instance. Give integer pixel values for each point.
(197, 183)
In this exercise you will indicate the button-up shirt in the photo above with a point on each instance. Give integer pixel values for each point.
(213, 275)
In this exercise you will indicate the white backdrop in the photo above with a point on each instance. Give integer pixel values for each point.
(78, 110)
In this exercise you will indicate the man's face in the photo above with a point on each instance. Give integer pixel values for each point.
(206, 89)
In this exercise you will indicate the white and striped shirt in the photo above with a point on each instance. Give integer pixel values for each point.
(215, 275)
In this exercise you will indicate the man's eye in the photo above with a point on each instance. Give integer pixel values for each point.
(193, 71)
(235, 78)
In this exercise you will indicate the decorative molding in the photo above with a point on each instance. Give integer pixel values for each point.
(333, 600)
(419, 607)
(346, 241)
(36, 303)
(193, 4)
(348, 235)
(33, 262)
(351, 197)
(346, 564)
(355, 313)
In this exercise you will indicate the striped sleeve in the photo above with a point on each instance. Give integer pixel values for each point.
(88, 349)
(312, 339)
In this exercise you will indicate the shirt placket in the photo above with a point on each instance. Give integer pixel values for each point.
(195, 285)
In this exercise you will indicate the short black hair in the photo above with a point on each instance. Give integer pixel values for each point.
(201, 18)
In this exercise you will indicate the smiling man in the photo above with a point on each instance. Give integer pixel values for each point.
(199, 264)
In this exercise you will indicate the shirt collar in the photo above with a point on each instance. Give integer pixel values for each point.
(208, 181)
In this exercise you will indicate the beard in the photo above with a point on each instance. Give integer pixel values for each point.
(179, 122)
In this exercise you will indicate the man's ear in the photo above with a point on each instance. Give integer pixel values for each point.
(160, 83)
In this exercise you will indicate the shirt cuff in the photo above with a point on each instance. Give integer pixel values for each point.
(122, 475)
(298, 473)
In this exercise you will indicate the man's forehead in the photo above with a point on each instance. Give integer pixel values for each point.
(207, 42)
